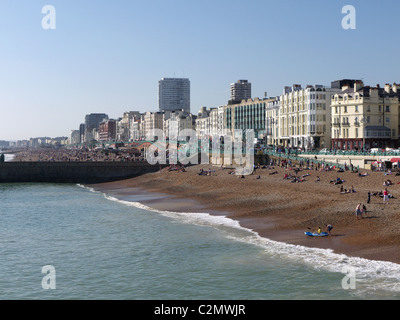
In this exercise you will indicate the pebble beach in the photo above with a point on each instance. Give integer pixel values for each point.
(281, 210)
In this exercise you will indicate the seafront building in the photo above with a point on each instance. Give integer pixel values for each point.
(174, 94)
(203, 125)
(365, 117)
(75, 137)
(153, 120)
(272, 122)
(230, 119)
(304, 117)
(135, 126)
(107, 130)
(247, 115)
(92, 122)
(240, 90)
(94, 119)
(177, 122)
(124, 125)
(345, 116)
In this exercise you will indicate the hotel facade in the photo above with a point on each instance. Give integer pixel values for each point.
(303, 119)
(365, 117)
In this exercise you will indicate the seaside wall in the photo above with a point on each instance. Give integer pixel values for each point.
(72, 172)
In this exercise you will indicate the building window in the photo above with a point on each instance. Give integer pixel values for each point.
(387, 108)
(356, 108)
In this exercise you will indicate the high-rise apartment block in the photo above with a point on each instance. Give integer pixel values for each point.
(174, 94)
(93, 120)
(240, 90)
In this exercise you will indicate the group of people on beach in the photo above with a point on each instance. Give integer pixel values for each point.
(328, 227)
(343, 190)
(77, 155)
(360, 210)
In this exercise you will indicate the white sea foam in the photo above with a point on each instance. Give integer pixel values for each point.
(87, 188)
(371, 275)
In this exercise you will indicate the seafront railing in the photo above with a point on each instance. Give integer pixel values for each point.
(298, 158)
(349, 153)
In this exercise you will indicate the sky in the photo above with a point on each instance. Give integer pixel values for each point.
(107, 56)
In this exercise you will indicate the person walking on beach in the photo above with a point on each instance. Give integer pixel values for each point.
(385, 196)
(358, 211)
(369, 197)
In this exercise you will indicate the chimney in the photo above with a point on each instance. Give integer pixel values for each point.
(394, 87)
(358, 85)
(387, 88)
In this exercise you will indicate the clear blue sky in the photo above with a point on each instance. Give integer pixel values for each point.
(107, 56)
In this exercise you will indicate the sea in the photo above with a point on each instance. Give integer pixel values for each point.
(69, 241)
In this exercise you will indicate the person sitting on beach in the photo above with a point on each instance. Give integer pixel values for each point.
(387, 183)
(344, 191)
(286, 176)
(337, 181)
(318, 179)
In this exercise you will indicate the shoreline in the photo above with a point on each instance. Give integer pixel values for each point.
(279, 210)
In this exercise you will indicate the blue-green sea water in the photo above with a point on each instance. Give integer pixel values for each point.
(104, 248)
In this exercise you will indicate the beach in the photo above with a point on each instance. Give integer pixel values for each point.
(280, 210)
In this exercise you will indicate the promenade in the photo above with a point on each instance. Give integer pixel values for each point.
(342, 159)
